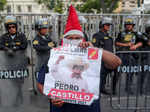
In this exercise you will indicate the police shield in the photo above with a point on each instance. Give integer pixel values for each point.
(13, 64)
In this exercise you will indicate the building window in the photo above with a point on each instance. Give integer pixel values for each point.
(132, 2)
(123, 2)
(132, 5)
(29, 8)
(8, 9)
(43, 7)
(19, 8)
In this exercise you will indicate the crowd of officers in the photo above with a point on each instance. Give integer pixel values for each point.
(127, 40)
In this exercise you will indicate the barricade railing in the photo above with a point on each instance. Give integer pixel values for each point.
(90, 26)
(130, 88)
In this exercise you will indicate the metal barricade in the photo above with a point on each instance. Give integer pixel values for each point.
(131, 82)
(58, 21)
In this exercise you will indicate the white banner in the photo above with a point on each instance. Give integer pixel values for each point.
(74, 74)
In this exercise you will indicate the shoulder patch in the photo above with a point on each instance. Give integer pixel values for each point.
(6, 44)
(18, 43)
(62, 36)
(35, 42)
(94, 40)
(51, 44)
(106, 38)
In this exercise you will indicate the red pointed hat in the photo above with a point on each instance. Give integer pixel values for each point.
(73, 25)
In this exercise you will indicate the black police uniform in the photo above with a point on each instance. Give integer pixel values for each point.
(14, 43)
(42, 45)
(103, 40)
(128, 59)
(18, 43)
(144, 61)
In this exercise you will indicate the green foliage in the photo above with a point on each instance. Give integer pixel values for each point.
(47, 3)
(75, 0)
(78, 7)
(59, 7)
(108, 6)
(2, 4)
(89, 5)
(55, 5)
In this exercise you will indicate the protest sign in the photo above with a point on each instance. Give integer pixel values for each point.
(74, 74)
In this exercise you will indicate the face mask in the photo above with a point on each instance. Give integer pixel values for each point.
(71, 42)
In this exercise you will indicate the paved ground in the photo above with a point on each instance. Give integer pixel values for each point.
(39, 103)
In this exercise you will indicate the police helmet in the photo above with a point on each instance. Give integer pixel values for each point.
(129, 21)
(10, 20)
(147, 26)
(105, 20)
(41, 23)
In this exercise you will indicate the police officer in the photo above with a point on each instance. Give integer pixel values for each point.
(102, 39)
(13, 46)
(145, 57)
(146, 35)
(42, 43)
(12, 40)
(128, 40)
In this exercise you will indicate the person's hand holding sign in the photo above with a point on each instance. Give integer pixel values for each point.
(85, 44)
(57, 102)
